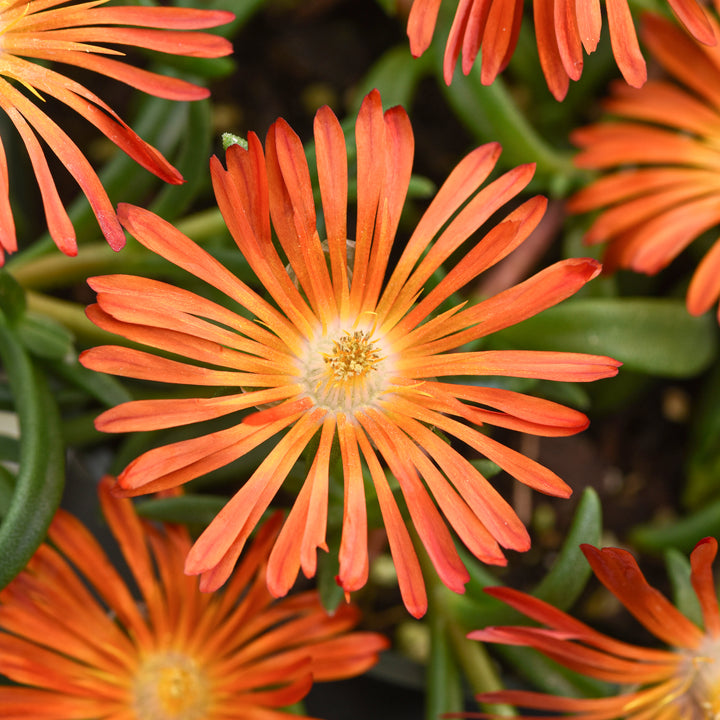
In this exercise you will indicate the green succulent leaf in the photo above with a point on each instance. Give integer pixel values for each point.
(44, 337)
(570, 572)
(191, 508)
(12, 298)
(681, 534)
(652, 336)
(703, 463)
(40, 478)
(678, 568)
(444, 691)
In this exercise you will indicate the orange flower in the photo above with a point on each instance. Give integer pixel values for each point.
(342, 355)
(79, 652)
(663, 190)
(38, 29)
(678, 684)
(563, 29)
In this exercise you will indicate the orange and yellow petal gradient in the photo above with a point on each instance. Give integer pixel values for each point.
(660, 189)
(346, 354)
(79, 645)
(682, 683)
(68, 32)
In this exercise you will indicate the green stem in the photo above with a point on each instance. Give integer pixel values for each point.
(490, 113)
(72, 316)
(57, 270)
(202, 225)
(478, 668)
(456, 650)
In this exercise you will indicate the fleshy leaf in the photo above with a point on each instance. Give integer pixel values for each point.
(41, 475)
(652, 336)
(570, 572)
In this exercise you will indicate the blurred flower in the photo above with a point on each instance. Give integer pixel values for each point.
(664, 187)
(563, 30)
(678, 684)
(339, 356)
(79, 646)
(39, 30)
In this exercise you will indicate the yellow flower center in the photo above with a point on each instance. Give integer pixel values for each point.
(171, 686)
(353, 356)
(345, 369)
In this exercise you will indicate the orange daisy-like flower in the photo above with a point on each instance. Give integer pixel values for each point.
(81, 652)
(41, 30)
(564, 29)
(678, 684)
(663, 188)
(344, 355)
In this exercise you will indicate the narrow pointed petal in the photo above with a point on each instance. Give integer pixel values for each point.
(619, 572)
(353, 556)
(428, 522)
(694, 18)
(410, 577)
(701, 560)
(333, 180)
(40, 33)
(421, 24)
(625, 43)
(704, 288)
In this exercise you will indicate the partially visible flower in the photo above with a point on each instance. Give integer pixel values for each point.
(342, 350)
(79, 646)
(662, 188)
(682, 683)
(40, 30)
(563, 31)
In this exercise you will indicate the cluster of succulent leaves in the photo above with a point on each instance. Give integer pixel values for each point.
(53, 400)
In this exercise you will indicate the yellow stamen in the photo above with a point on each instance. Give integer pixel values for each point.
(171, 686)
(353, 356)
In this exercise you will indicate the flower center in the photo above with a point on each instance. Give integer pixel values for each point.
(703, 694)
(353, 356)
(345, 369)
(170, 686)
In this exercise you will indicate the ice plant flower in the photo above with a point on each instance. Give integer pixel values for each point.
(339, 354)
(682, 683)
(78, 645)
(41, 30)
(563, 31)
(661, 187)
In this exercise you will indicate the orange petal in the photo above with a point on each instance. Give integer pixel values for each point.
(625, 43)
(462, 182)
(371, 162)
(59, 225)
(618, 571)
(407, 566)
(331, 159)
(353, 554)
(701, 560)
(589, 20)
(70, 155)
(537, 364)
(499, 39)
(399, 150)
(704, 287)
(430, 526)
(693, 16)
(568, 37)
(215, 552)
(550, 60)
(421, 25)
